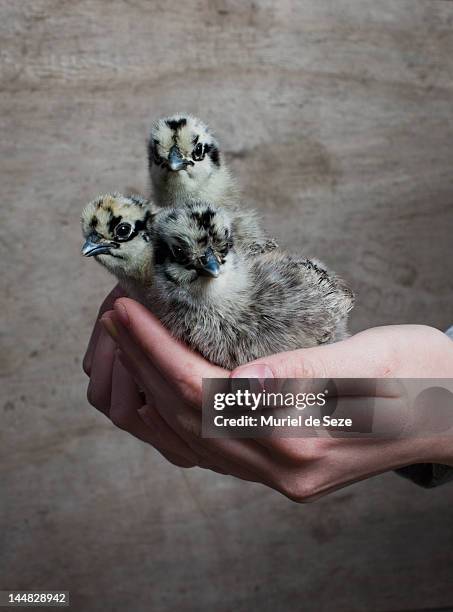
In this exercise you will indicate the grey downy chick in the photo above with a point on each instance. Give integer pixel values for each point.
(233, 308)
(116, 230)
(186, 163)
(116, 234)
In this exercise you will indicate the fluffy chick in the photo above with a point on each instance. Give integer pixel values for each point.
(233, 308)
(185, 163)
(116, 233)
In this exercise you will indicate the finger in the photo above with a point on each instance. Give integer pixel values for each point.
(223, 461)
(350, 358)
(167, 438)
(179, 426)
(347, 418)
(236, 458)
(228, 469)
(176, 362)
(125, 400)
(143, 371)
(100, 385)
(242, 458)
(175, 459)
(124, 413)
(164, 403)
(89, 354)
(106, 305)
(139, 365)
(169, 404)
(176, 435)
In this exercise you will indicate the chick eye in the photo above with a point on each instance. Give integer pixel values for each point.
(197, 153)
(179, 254)
(123, 231)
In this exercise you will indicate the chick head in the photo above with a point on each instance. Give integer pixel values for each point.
(192, 245)
(182, 151)
(116, 233)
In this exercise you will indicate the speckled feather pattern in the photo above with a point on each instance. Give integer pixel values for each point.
(258, 306)
(207, 179)
(261, 303)
(131, 262)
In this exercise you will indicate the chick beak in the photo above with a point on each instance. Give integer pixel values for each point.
(93, 246)
(209, 266)
(175, 160)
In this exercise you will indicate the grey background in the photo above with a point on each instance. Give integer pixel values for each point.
(336, 117)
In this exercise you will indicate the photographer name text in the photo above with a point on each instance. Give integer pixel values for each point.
(273, 421)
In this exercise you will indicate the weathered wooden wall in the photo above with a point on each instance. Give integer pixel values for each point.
(337, 118)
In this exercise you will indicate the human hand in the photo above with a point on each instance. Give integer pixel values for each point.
(302, 469)
(99, 333)
(112, 390)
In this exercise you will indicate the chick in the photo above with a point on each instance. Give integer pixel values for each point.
(185, 163)
(116, 233)
(234, 308)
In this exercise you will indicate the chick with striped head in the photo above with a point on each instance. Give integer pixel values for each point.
(185, 162)
(115, 229)
(186, 165)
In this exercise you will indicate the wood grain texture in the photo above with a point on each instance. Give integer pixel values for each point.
(337, 118)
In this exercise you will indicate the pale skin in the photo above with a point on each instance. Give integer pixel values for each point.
(149, 384)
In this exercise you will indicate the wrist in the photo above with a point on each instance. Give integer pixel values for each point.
(440, 450)
(429, 427)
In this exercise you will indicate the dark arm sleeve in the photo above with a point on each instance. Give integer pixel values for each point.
(428, 475)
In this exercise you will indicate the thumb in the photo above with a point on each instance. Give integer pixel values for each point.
(363, 355)
(303, 363)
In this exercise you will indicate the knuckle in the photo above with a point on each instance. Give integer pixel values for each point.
(291, 451)
(186, 465)
(179, 461)
(92, 395)
(86, 365)
(315, 449)
(120, 418)
(297, 489)
(208, 465)
(301, 452)
(97, 398)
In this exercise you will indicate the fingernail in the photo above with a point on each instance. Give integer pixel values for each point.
(110, 327)
(258, 370)
(121, 311)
